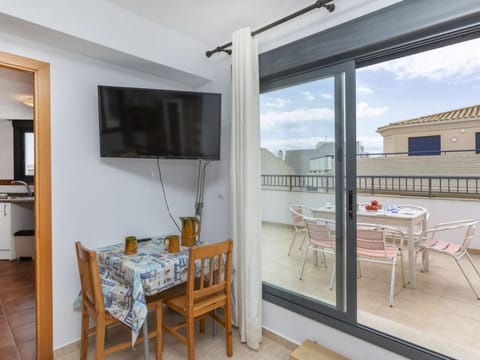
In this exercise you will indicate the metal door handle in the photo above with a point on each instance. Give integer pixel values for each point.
(350, 204)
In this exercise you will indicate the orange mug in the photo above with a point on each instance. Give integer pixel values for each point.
(130, 245)
(190, 230)
(172, 242)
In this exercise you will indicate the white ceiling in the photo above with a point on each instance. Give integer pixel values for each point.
(210, 22)
(213, 21)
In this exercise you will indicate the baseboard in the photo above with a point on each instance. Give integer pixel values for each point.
(279, 339)
(66, 349)
(75, 346)
(312, 350)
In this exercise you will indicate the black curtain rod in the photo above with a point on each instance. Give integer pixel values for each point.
(316, 5)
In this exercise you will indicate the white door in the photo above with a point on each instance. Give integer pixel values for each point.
(5, 230)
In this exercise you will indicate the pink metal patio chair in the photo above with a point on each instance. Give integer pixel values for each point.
(298, 213)
(455, 249)
(372, 246)
(320, 239)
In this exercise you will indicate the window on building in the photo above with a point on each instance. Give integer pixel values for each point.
(477, 143)
(23, 150)
(424, 145)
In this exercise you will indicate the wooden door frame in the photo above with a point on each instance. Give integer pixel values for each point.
(43, 199)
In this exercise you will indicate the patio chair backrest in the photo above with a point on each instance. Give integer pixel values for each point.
(371, 238)
(319, 233)
(299, 212)
(469, 225)
(469, 234)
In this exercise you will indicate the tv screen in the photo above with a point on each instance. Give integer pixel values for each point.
(159, 123)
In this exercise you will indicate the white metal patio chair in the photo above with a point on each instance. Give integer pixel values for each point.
(298, 213)
(455, 249)
(320, 235)
(372, 246)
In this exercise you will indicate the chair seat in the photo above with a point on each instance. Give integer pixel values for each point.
(442, 246)
(388, 253)
(323, 244)
(201, 307)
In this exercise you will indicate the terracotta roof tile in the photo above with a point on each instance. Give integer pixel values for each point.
(457, 114)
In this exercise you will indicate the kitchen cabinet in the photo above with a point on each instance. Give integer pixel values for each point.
(5, 231)
(14, 216)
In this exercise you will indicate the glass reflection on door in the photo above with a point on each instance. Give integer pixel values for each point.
(301, 128)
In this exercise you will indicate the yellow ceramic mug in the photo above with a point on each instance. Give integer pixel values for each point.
(173, 243)
(130, 245)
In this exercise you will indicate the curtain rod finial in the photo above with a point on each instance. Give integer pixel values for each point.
(330, 7)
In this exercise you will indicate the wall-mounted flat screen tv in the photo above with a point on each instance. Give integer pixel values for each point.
(159, 123)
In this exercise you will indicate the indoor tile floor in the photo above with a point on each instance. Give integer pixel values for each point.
(17, 310)
(206, 346)
(442, 313)
(17, 328)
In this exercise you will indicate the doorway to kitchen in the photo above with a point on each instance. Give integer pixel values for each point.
(42, 207)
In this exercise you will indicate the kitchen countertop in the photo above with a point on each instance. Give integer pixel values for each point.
(17, 198)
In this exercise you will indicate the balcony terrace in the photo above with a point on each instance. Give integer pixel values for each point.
(441, 313)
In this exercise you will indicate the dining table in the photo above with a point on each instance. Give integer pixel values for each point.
(402, 218)
(128, 279)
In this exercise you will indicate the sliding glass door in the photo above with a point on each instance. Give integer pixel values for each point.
(308, 188)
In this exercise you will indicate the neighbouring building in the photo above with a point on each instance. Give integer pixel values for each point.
(431, 134)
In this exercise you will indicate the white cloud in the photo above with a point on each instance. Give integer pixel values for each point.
(327, 96)
(365, 111)
(274, 119)
(308, 95)
(372, 144)
(292, 143)
(276, 103)
(364, 90)
(450, 62)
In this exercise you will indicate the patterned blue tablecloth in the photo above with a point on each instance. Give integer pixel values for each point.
(127, 279)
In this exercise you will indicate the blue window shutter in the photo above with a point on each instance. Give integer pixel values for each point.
(424, 145)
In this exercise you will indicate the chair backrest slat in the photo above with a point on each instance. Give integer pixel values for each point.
(469, 235)
(319, 231)
(218, 258)
(372, 238)
(92, 295)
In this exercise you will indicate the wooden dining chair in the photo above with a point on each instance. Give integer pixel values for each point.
(208, 288)
(93, 307)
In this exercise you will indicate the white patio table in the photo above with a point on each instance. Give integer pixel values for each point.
(405, 218)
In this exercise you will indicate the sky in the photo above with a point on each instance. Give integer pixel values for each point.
(427, 83)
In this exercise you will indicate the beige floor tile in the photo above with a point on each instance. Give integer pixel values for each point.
(442, 313)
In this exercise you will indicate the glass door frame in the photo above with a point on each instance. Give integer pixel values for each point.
(345, 196)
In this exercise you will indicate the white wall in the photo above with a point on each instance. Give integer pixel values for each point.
(6, 149)
(103, 23)
(297, 328)
(99, 200)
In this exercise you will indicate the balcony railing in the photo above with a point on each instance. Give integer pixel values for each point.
(448, 186)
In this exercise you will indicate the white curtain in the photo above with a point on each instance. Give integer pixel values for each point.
(246, 192)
